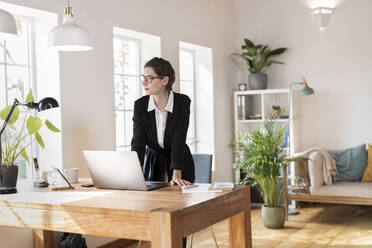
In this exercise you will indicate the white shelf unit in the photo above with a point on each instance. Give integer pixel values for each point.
(258, 104)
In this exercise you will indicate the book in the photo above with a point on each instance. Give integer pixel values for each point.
(286, 137)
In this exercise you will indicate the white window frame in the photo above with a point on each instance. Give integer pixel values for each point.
(31, 66)
(139, 89)
(193, 141)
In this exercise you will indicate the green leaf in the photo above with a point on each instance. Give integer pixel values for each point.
(276, 62)
(265, 53)
(33, 124)
(277, 52)
(51, 127)
(4, 113)
(248, 43)
(29, 97)
(264, 49)
(39, 140)
(24, 155)
(252, 51)
(249, 63)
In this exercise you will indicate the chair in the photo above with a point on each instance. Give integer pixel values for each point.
(203, 174)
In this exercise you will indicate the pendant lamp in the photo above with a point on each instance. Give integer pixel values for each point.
(69, 36)
(8, 27)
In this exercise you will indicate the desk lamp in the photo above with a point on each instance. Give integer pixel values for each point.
(44, 104)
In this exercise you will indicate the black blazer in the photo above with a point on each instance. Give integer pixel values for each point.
(176, 153)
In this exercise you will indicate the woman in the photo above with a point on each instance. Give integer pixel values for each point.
(160, 123)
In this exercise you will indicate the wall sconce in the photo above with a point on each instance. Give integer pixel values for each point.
(322, 15)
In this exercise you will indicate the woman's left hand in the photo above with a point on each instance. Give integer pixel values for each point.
(177, 179)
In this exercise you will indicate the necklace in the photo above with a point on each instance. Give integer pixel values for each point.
(162, 106)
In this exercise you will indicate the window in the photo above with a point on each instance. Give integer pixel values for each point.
(26, 62)
(17, 74)
(196, 81)
(132, 50)
(187, 87)
(127, 88)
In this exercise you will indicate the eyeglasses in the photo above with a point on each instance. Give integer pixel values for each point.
(149, 78)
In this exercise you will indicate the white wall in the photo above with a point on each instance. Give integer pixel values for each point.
(337, 64)
(86, 79)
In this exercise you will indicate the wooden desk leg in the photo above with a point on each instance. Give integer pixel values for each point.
(42, 238)
(166, 229)
(240, 235)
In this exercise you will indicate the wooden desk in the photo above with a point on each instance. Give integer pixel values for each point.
(163, 216)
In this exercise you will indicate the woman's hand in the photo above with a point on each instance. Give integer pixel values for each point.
(177, 178)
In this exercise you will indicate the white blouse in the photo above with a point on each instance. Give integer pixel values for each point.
(161, 116)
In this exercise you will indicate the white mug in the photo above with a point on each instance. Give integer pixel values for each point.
(71, 174)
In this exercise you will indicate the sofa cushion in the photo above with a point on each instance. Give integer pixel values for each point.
(347, 189)
(367, 175)
(316, 170)
(351, 163)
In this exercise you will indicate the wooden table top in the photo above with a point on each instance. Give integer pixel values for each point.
(106, 201)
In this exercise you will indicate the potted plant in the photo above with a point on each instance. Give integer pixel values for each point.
(276, 110)
(17, 138)
(258, 58)
(260, 154)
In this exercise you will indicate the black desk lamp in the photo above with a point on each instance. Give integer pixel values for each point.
(44, 104)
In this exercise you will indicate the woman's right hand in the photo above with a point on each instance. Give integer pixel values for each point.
(177, 179)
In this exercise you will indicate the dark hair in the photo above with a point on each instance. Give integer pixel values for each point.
(163, 68)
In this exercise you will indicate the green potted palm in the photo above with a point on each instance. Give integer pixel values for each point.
(258, 58)
(259, 155)
(16, 138)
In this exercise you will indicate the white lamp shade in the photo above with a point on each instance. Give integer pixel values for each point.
(8, 27)
(69, 36)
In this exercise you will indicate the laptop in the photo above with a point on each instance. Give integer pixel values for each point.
(118, 170)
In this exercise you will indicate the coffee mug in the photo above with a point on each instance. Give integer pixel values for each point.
(71, 174)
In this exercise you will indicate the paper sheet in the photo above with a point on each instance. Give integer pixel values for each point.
(201, 188)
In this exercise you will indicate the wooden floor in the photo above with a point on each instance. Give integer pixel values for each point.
(317, 225)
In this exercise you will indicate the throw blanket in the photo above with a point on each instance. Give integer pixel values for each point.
(329, 164)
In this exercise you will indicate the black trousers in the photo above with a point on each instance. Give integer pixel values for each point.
(184, 241)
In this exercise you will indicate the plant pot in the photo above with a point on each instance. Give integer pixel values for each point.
(9, 176)
(275, 112)
(273, 218)
(257, 81)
